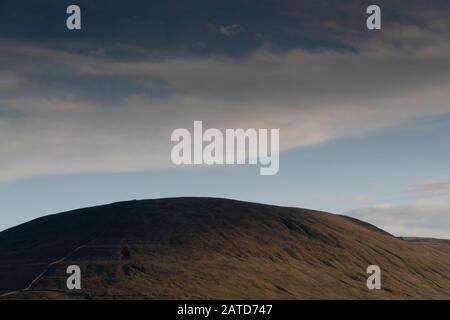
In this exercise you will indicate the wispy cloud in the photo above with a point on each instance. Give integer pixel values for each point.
(362, 198)
(435, 187)
(230, 30)
(424, 218)
(428, 215)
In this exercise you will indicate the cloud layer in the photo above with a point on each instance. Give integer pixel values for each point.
(68, 107)
(82, 112)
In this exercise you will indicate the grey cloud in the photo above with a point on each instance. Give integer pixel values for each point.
(226, 30)
(312, 96)
(9, 81)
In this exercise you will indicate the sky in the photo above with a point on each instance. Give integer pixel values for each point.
(364, 116)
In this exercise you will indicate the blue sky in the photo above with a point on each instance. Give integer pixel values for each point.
(364, 116)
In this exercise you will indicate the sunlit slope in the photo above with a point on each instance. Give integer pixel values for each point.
(213, 248)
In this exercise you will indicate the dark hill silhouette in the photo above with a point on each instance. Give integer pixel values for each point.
(213, 248)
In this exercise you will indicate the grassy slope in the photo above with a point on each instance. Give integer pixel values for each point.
(215, 248)
(439, 244)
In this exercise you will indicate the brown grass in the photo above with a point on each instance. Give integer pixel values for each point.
(204, 248)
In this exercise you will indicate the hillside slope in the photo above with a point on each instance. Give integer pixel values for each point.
(213, 248)
(439, 244)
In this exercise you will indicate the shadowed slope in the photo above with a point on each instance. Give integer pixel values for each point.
(213, 248)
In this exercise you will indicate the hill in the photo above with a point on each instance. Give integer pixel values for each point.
(439, 244)
(198, 248)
